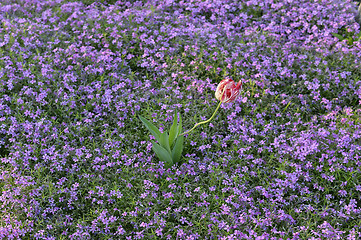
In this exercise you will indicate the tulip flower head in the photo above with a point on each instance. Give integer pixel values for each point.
(227, 90)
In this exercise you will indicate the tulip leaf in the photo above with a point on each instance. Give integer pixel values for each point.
(173, 132)
(340, 37)
(162, 153)
(164, 141)
(153, 130)
(178, 149)
(179, 125)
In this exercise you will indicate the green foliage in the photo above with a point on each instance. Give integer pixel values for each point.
(163, 149)
(162, 153)
(350, 37)
(177, 150)
(150, 126)
(4, 151)
(173, 132)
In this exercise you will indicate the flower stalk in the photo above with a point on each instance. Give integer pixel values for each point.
(214, 114)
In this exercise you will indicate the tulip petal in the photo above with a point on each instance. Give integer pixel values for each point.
(227, 90)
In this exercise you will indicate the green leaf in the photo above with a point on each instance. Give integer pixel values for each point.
(178, 149)
(179, 125)
(340, 37)
(162, 153)
(173, 132)
(153, 130)
(164, 141)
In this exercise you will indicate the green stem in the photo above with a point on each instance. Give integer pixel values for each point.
(214, 114)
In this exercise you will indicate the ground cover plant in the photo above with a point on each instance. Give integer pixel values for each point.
(283, 161)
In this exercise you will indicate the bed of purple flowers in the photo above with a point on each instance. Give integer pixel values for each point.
(281, 162)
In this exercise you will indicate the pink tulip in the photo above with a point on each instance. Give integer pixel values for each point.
(227, 90)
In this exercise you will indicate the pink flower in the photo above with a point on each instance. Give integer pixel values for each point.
(229, 89)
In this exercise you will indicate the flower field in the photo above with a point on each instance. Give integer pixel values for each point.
(282, 161)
